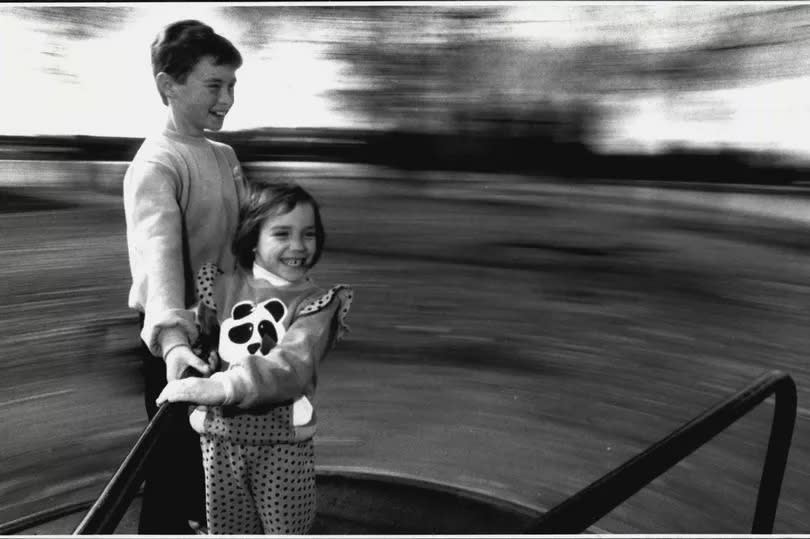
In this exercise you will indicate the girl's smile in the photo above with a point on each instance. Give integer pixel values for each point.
(287, 243)
(293, 262)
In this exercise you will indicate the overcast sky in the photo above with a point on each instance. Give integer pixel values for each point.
(59, 82)
(64, 71)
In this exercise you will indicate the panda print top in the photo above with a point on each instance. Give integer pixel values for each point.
(273, 380)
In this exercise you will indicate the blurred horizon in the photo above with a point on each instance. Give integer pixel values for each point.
(649, 76)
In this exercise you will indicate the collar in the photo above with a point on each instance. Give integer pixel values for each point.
(264, 275)
(176, 135)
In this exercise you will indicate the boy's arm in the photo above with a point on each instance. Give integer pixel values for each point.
(238, 174)
(154, 235)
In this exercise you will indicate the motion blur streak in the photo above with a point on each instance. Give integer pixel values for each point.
(570, 229)
(562, 327)
(642, 78)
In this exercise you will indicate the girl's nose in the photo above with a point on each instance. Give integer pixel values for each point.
(296, 243)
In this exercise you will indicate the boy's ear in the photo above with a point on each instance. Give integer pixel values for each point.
(165, 84)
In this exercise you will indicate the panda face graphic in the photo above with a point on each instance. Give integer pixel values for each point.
(252, 329)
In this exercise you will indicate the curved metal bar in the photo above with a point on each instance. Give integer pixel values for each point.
(22, 524)
(590, 504)
(109, 508)
(360, 500)
(579, 512)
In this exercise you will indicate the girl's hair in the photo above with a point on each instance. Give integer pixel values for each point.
(179, 46)
(268, 199)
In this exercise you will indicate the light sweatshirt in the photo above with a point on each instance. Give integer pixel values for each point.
(181, 202)
(272, 334)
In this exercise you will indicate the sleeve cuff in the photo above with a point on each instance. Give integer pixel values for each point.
(173, 327)
(227, 386)
(170, 338)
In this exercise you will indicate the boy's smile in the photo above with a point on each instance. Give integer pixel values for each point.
(203, 101)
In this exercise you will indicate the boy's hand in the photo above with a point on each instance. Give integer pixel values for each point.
(193, 390)
(213, 361)
(181, 358)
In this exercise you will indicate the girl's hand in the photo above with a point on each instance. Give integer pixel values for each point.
(193, 390)
(181, 358)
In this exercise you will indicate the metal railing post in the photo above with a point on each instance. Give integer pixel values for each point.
(575, 514)
(773, 471)
(110, 507)
(586, 507)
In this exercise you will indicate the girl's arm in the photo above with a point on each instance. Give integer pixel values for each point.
(256, 381)
(282, 375)
(288, 368)
(193, 390)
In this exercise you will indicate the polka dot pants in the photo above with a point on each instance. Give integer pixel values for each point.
(265, 489)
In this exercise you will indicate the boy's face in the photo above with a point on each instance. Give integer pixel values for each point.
(204, 99)
(287, 243)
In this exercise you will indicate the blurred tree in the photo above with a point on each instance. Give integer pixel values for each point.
(76, 22)
(259, 24)
(450, 71)
(768, 43)
(744, 46)
(411, 68)
(65, 24)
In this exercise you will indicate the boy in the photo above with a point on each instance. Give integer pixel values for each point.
(181, 201)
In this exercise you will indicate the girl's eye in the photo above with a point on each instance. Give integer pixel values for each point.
(309, 235)
(280, 234)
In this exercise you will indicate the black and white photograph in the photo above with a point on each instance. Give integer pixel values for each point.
(405, 268)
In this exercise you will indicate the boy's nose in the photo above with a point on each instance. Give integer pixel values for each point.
(226, 96)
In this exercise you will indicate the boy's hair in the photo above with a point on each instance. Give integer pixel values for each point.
(266, 199)
(179, 46)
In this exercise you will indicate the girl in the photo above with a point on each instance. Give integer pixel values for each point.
(272, 326)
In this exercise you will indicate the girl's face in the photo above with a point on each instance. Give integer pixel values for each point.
(287, 242)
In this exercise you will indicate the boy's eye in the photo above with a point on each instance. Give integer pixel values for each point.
(309, 235)
(280, 234)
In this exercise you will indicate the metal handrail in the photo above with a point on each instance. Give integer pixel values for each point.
(577, 513)
(590, 504)
(110, 507)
